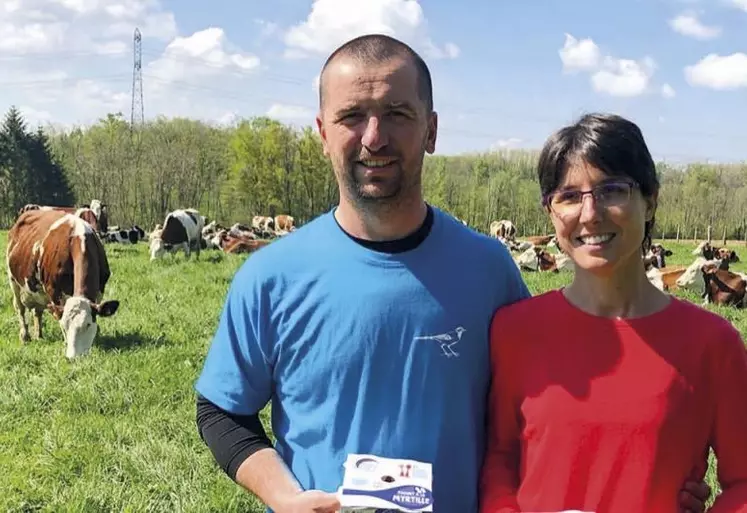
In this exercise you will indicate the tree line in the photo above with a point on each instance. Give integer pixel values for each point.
(262, 166)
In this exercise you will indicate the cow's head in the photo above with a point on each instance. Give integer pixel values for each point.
(157, 248)
(78, 322)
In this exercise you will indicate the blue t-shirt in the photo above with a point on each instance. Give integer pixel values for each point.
(366, 352)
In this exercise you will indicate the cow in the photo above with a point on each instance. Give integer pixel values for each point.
(539, 259)
(656, 256)
(541, 240)
(94, 214)
(182, 229)
(723, 287)
(56, 262)
(263, 226)
(131, 236)
(704, 249)
(726, 254)
(665, 278)
(237, 245)
(503, 229)
(284, 223)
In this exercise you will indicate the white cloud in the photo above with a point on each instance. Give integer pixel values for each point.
(315, 83)
(290, 112)
(511, 142)
(579, 55)
(623, 77)
(742, 4)
(267, 28)
(717, 72)
(69, 62)
(79, 25)
(332, 22)
(206, 52)
(668, 91)
(609, 75)
(34, 117)
(688, 24)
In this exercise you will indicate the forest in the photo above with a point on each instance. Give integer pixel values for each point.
(262, 166)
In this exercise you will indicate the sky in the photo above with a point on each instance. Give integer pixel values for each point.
(506, 73)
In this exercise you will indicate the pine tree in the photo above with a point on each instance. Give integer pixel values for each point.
(13, 140)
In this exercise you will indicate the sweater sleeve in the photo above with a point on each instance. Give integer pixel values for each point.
(500, 474)
(729, 431)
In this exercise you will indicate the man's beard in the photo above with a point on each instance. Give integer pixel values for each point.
(377, 193)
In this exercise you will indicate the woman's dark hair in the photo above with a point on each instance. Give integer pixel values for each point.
(608, 142)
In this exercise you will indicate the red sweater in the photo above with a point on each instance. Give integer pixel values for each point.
(612, 416)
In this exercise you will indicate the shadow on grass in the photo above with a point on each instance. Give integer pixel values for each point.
(128, 341)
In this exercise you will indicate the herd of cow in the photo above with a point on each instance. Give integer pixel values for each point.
(708, 275)
(56, 260)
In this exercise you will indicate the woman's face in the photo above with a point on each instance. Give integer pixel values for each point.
(603, 231)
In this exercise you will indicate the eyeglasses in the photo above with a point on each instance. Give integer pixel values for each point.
(567, 203)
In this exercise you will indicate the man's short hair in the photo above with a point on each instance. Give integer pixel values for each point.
(374, 48)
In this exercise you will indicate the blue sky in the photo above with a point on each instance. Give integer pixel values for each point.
(506, 74)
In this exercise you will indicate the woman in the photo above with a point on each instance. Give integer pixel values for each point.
(608, 393)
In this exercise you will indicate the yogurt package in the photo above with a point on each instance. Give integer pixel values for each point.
(372, 484)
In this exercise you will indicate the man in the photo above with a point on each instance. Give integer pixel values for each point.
(367, 327)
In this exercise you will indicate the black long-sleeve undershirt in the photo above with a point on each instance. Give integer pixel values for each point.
(233, 438)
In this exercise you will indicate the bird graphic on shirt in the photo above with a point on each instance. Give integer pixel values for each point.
(447, 340)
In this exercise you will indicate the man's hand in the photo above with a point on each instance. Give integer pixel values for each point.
(311, 501)
(694, 496)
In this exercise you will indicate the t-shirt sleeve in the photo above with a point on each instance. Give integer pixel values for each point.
(729, 431)
(237, 373)
(516, 286)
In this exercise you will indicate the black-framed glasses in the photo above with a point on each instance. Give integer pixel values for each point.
(568, 202)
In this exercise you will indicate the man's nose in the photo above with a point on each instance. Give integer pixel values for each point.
(374, 136)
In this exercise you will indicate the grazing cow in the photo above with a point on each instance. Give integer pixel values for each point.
(181, 229)
(284, 223)
(94, 214)
(56, 262)
(503, 229)
(264, 226)
(723, 287)
(131, 236)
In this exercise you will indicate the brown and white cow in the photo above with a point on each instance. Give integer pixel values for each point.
(94, 214)
(284, 223)
(540, 240)
(503, 229)
(56, 262)
(723, 287)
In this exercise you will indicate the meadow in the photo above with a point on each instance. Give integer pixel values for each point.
(115, 431)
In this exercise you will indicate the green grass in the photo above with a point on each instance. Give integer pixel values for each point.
(115, 431)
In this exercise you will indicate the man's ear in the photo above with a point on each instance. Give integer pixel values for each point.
(322, 133)
(430, 141)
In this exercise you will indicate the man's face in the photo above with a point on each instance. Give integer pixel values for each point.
(375, 129)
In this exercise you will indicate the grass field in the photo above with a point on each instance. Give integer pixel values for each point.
(115, 431)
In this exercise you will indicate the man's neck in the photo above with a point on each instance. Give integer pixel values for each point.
(388, 223)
